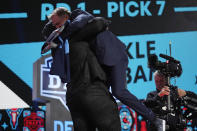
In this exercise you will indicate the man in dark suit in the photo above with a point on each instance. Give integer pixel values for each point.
(88, 98)
(111, 54)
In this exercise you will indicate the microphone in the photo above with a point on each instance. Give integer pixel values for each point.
(49, 42)
(169, 58)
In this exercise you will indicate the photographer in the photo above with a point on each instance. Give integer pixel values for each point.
(157, 101)
(167, 100)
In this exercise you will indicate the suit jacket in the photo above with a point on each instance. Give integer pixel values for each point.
(109, 49)
(78, 19)
(60, 65)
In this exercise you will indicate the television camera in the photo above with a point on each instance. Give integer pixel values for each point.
(174, 115)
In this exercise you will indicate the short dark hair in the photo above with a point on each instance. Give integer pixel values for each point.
(60, 11)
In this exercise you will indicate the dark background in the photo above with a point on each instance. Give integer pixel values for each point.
(28, 29)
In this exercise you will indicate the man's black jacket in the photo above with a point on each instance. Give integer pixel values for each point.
(84, 67)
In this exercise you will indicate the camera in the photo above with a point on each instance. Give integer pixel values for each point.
(170, 68)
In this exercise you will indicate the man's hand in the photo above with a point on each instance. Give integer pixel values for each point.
(181, 93)
(47, 46)
(164, 91)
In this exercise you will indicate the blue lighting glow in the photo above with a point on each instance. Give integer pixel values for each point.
(12, 15)
(185, 9)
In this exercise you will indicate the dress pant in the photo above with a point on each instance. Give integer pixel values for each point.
(117, 75)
